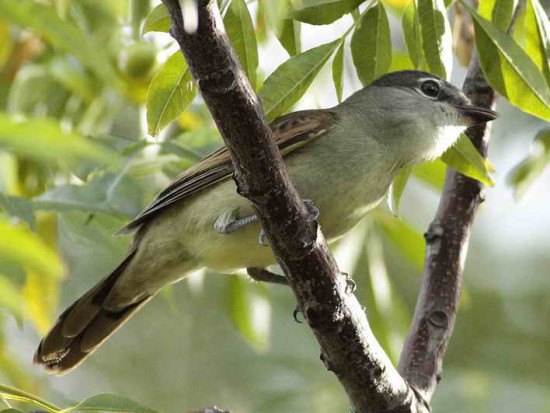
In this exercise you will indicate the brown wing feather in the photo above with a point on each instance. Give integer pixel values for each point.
(290, 132)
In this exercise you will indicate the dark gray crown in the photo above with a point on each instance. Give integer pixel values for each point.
(403, 78)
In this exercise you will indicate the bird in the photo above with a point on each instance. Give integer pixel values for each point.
(342, 160)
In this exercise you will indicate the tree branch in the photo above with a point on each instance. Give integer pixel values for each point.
(446, 247)
(349, 348)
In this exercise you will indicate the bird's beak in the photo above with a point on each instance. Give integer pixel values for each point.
(473, 115)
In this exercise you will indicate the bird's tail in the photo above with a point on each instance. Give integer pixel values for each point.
(84, 326)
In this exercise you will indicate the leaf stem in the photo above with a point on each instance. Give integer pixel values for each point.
(11, 393)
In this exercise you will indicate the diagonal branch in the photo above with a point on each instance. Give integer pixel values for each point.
(349, 348)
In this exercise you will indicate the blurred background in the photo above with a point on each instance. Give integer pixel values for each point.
(221, 339)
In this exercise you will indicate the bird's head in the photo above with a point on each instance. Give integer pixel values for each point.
(417, 112)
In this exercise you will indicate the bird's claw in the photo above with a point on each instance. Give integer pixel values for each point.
(295, 314)
(313, 210)
(262, 239)
(350, 283)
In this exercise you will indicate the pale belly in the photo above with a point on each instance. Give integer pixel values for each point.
(339, 212)
(187, 229)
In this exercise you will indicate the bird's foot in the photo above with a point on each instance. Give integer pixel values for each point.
(350, 283)
(296, 313)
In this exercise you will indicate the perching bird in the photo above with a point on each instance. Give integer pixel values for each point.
(343, 159)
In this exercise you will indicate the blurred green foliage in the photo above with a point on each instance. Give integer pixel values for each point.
(98, 113)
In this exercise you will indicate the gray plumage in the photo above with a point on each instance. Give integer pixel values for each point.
(343, 159)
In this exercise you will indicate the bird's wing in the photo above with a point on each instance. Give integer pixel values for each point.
(290, 132)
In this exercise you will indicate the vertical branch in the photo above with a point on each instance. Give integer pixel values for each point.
(447, 241)
(447, 244)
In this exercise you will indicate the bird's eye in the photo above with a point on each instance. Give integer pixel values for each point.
(430, 88)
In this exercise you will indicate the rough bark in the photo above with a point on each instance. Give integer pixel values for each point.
(348, 347)
(447, 241)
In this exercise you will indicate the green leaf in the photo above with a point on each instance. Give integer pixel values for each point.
(274, 12)
(35, 90)
(18, 207)
(436, 37)
(109, 403)
(405, 238)
(400, 61)
(287, 84)
(11, 393)
(371, 45)
(158, 20)
(463, 157)
(540, 53)
(323, 11)
(509, 70)
(11, 298)
(290, 36)
(170, 92)
(22, 246)
(11, 411)
(502, 13)
(43, 139)
(240, 31)
(249, 310)
(397, 188)
(6, 43)
(485, 8)
(111, 194)
(338, 72)
(62, 34)
(71, 76)
(431, 173)
(524, 175)
(411, 32)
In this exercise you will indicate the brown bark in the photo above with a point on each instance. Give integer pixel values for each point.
(348, 346)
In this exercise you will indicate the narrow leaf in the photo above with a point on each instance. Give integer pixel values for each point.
(371, 45)
(502, 13)
(170, 92)
(411, 32)
(509, 70)
(290, 36)
(10, 297)
(338, 72)
(273, 12)
(463, 157)
(287, 84)
(109, 403)
(158, 20)
(249, 311)
(431, 173)
(21, 246)
(405, 238)
(240, 31)
(436, 36)
(323, 11)
(110, 194)
(43, 139)
(18, 207)
(524, 175)
(11, 393)
(397, 188)
(543, 38)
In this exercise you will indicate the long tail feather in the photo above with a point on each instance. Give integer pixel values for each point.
(83, 327)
